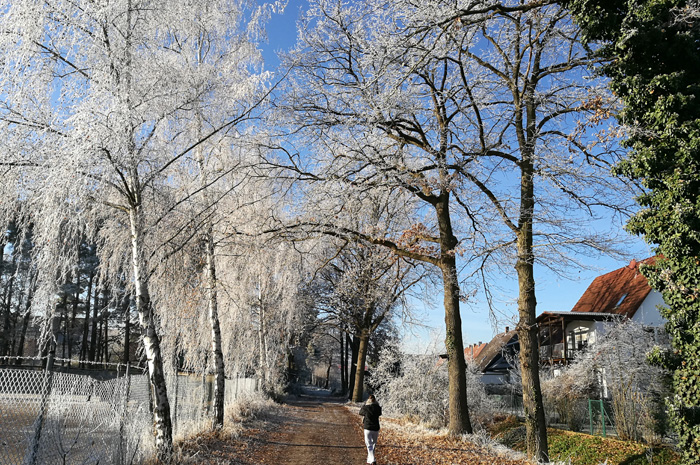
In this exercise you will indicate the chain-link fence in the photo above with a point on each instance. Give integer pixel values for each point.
(62, 418)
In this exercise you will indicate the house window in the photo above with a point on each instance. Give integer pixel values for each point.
(579, 338)
(619, 302)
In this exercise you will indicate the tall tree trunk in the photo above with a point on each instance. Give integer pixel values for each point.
(105, 337)
(162, 424)
(212, 299)
(459, 421)
(63, 319)
(126, 358)
(354, 346)
(343, 362)
(262, 356)
(74, 313)
(27, 316)
(95, 319)
(7, 308)
(363, 344)
(328, 370)
(216, 348)
(86, 321)
(535, 422)
(23, 334)
(346, 354)
(100, 332)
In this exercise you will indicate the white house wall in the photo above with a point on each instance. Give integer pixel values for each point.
(648, 313)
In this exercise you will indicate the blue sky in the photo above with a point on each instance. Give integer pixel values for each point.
(554, 293)
(281, 31)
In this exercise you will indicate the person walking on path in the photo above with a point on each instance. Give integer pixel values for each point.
(371, 412)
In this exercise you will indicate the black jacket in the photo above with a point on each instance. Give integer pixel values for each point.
(371, 414)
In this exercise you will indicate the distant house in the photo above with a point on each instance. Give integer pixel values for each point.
(493, 360)
(470, 353)
(620, 294)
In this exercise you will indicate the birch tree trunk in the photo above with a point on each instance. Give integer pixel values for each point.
(162, 424)
(126, 358)
(212, 298)
(216, 349)
(86, 322)
(262, 355)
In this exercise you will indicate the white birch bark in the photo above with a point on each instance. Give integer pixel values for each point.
(212, 303)
(162, 424)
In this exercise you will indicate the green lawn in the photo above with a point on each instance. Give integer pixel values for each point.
(584, 449)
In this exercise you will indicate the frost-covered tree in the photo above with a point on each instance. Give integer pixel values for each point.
(617, 367)
(96, 98)
(480, 114)
(415, 386)
(224, 57)
(367, 286)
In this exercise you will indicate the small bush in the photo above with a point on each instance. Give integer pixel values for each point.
(514, 438)
(501, 423)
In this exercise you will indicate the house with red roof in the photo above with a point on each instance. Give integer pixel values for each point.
(620, 294)
(492, 358)
(471, 354)
(495, 358)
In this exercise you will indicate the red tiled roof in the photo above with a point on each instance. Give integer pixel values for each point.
(470, 353)
(473, 351)
(621, 291)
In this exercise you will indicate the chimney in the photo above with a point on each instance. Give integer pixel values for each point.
(479, 343)
(633, 264)
(507, 328)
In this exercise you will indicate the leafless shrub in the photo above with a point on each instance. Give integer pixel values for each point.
(416, 386)
(616, 367)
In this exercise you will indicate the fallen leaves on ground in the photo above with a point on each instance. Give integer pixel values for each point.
(403, 444)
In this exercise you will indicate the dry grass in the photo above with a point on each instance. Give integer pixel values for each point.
(245, 421)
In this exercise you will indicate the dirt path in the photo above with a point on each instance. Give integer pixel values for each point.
(318, 429)
(314, 431)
